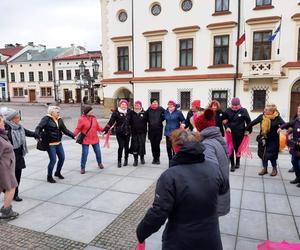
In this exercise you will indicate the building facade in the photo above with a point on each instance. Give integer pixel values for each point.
(67, 75)
(186, 49)
(31, 77)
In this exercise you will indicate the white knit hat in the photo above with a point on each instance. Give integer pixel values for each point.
(53, 109)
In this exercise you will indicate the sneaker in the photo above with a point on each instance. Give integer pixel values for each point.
(100, 165)
(17, 198)
(263, 172)
(50, 179)
(8, 213)
(82, 171)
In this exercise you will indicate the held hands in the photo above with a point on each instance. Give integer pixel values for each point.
(246, 133)
(228, 130)
(182, 126)
(279, 131)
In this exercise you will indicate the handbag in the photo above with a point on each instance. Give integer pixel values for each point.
(42, 145)
(81, 136)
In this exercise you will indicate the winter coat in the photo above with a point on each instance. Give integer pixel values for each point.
(121, 121)
(173, 121)
(7, 164)
(138, 123)
(83, 125)
(216, 150)
(50, 131)
(20, 161)
(155, 118)
(220, 117)
(188, 120)
(270, 150)
(187, 195)
(237, 120)
(295, 124)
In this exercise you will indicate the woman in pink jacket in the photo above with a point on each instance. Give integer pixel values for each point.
(88, 124)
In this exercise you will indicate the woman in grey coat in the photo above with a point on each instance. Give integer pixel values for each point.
(8, 182)
(216, 151)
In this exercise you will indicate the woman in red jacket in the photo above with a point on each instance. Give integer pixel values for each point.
(88, 124)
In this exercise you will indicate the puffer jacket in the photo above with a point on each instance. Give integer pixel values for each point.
(216, 150)
(173, 121)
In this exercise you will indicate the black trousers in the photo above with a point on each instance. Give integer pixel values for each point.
(237, 139)
(170, 150)
(155, 147)
(18, 173)
(123, 141)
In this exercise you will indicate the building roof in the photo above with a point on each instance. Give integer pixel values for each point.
(45, 55)
(10, 51)
(89, 55)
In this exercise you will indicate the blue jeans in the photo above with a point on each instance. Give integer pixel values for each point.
(85, 153)
(273, 162)
(52, 152)
(296, 165)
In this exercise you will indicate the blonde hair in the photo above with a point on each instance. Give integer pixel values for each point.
(181, 137)
(272, 106)
(53, 109)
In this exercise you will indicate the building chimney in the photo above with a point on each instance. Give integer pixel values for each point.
(30, 43)
(29, 56)
(9, 46)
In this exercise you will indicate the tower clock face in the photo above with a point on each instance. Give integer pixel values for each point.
(187, 5)
(122, 16)
(156, 9)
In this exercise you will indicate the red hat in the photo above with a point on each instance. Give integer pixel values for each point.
(235, 101)
(196, 104)
(138, 102)
(215, 103)
(172, 102)
(123, 101)
(207, 119)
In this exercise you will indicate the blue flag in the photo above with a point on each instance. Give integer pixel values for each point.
(273, 36)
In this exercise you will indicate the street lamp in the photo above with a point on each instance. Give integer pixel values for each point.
(56, 94)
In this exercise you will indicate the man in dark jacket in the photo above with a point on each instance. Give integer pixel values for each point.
(186, 195)
(155, 117)
(237, 120)
(138, 131)
(17, 136)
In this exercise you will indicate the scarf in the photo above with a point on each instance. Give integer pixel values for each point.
(122, 111)
(18, 136)
(266, 123)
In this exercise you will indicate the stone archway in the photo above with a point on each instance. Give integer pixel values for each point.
(295, 98)
(123, 93)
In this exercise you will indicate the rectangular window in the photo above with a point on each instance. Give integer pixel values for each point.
(123, 59)
(22, 77)
(298, 57)
(259, 99)
(185, 100)
(155, 95)
(18, 92)
(186, 52)
(155, 55)
(69, 75)
(2, 73)
(221, 49)
(263, 2)
(86, 72)
(61, 75)
(50, 76)
(262, 47)
(221, 5)
(46, 92)
(221, 96)
(77, 74)
(12, 77)
(31, 76)
(41, 78)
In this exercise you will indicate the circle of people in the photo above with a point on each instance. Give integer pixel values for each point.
(198, 154)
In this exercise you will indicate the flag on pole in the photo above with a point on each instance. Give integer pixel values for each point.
(241, 40)
(273, 36)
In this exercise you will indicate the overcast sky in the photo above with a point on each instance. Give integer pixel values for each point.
(51, 22)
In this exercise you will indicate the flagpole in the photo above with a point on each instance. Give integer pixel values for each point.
(278, 49)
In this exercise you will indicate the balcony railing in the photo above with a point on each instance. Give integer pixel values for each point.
(262, 69)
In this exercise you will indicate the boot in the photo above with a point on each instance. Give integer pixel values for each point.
(237, 164)
(135, 162)
(274, 172)
(291, 170)
(125, 162)
(50, 179)
(58, 174)
(263, 171)
(82, 171)
(298, 185)
(232, 168)
(100, 165)
(17, 198)
(295, 181)
(142, 160)
(8, 213)
(119, 163)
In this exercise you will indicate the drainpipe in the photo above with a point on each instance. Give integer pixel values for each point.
(54, 82)
(132, 47)
(237, 50)
(7, 83)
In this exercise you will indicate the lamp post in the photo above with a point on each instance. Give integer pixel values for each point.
(82, 70)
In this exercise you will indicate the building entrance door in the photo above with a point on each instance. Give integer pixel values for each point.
(78, 96)
(32, 95)
(295, 99)
(66, 95)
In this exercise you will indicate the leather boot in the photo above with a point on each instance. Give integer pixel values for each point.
(142, 160)
(237, 164)
(17, 198)
(274, 172)
(119, 163)
(295, 181)
(263, 171)
(50, 179)
(58, 174)
(232, 168)
(135, 162)
(125, 162)
(100, 165)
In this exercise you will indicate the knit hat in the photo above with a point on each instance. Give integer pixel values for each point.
(196, 104)
(235, 101)
(123, 101)
(87, 109)
(10, 114)
(172, 102)
(138, 103)
(207, 119)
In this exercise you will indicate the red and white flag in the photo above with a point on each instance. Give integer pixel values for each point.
(241, 40)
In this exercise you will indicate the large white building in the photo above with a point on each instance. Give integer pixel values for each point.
(185, 50)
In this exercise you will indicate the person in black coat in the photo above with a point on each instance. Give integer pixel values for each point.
(138, 133)
(121, 119)
(17, 136)
(220, 116)
(50, 131)
(155, 116)
(187, 195)
(268, 138)
(237, 119)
